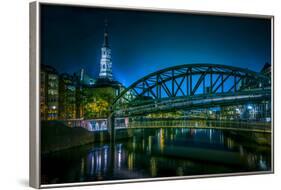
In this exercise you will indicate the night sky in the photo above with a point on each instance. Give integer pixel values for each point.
(144, 42)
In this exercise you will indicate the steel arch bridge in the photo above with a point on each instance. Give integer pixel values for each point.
(192, 86)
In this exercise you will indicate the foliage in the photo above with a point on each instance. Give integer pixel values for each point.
(97, 102)
(96, 109)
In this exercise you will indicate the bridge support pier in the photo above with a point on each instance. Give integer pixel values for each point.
(111, 131)
(111, 128)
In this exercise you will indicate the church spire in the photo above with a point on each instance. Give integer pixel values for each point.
(105, 35)
(105, 61)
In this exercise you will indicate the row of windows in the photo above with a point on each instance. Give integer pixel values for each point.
(53, 77)
(53, 84)
(53, 99)
(52, 92)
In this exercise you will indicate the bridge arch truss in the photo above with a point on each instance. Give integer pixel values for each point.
(191, 80)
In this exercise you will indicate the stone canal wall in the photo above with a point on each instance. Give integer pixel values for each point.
(56, 136)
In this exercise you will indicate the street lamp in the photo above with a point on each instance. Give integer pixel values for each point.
(250, 107)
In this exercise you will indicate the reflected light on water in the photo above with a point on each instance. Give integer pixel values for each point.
(131, 161)
(134, 143)
(82, 171)
(149, 144)
(211, 135)
(119, 153)
(262, 163)
(97, 161)
(161, 140)
(158, 153)
(179, 171)
(153, 167)
(241, 150)
(105, 158)
(230, 143)
(92, 165)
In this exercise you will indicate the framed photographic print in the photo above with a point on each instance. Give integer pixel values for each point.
(123, 94)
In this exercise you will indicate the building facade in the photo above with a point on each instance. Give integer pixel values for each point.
(67, 97)
(49, 93)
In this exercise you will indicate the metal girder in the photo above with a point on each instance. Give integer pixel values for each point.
(150, 90)
(166, 89)
(135, 91)
(159, 79)
(179, 86)
(182, 75)
(235, 84)
(222, 83)
(202, 77)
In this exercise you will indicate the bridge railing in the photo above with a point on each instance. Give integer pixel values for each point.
(203, 124)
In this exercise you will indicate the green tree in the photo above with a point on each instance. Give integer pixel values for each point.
(97, 102)
(96, 109)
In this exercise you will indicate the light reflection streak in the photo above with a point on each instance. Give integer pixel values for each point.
(149, 144)
(119, 154)
(131, 161)
(161, 140)
(153, 167)
(82, 167)
(97, 161)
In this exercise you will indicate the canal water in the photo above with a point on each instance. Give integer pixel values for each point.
(162, 152)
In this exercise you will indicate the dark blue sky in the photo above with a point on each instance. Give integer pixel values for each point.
(144, 42)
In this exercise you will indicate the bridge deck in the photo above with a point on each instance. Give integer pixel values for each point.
(194, 102)
(258, 130)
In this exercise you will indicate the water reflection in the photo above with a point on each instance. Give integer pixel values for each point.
(153, 167)
(160, 153)
(97, 161)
